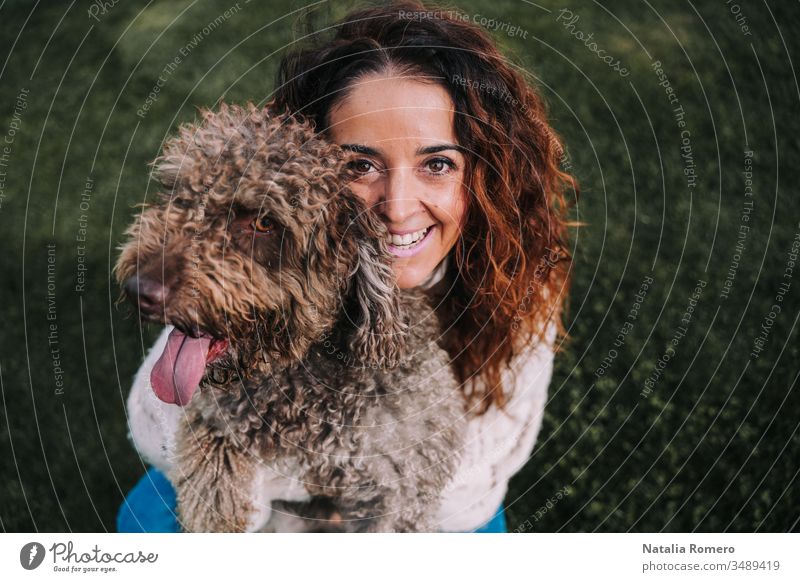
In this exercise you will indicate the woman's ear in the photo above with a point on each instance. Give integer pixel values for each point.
(380, 329)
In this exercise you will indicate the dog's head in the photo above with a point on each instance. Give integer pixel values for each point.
(255, 250)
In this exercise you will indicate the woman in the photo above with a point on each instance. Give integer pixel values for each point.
(451, 148)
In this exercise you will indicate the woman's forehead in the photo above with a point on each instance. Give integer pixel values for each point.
(394, 112)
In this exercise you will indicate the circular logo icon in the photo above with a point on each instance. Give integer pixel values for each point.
(31, 555)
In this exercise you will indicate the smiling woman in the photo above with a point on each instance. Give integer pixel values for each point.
(407, 166)
(388, 86)
(469, 186)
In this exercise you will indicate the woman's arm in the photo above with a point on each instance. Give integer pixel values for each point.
(499, 442)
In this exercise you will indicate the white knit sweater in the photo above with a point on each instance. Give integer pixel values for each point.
(497, 445)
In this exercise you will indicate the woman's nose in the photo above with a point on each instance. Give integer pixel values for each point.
(400, 198)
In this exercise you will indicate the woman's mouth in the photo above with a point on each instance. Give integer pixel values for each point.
(409, 244)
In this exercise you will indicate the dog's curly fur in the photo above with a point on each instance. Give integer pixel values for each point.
(330, 371)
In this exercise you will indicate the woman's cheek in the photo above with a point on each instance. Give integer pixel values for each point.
(452, 212)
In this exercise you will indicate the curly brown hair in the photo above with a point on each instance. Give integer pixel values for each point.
(511, 273)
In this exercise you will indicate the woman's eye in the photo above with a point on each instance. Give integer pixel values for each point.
(436, 166)
(440, 165)
(264, 224)
(360, 166)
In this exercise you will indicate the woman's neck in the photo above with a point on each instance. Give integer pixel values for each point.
(436, 275)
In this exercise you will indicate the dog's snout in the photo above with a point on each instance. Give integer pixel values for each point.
(148, 294)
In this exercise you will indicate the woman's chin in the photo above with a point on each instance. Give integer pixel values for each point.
(409, 273)
(406, 275)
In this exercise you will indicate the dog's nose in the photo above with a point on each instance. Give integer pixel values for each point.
(147, 293)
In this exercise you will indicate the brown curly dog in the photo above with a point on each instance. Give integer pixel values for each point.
(305, 374)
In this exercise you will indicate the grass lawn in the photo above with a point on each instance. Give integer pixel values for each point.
(675, 405)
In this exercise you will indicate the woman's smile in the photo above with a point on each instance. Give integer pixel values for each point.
(410, 244)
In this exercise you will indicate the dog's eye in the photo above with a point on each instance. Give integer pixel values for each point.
(179, 202)
(264, 224)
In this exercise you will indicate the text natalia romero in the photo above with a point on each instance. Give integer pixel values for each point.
(693, 549)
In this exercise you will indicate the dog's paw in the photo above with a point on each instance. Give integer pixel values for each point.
(212, 482)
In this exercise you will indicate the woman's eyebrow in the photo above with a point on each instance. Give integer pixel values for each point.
(440, 148)
(368, 151)
(360, 149)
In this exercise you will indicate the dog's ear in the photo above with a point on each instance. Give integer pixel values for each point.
(379, 337)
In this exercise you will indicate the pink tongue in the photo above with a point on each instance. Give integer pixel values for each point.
(180, 368)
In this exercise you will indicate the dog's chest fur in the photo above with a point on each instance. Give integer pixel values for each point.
(332, 417)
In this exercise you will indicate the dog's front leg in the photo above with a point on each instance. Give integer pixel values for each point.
(216, 480)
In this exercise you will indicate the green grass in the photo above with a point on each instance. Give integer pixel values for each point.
(712, 448)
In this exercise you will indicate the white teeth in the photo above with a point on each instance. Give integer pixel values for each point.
(407, 239)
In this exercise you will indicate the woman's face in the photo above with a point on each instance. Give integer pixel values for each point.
(409, 167)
